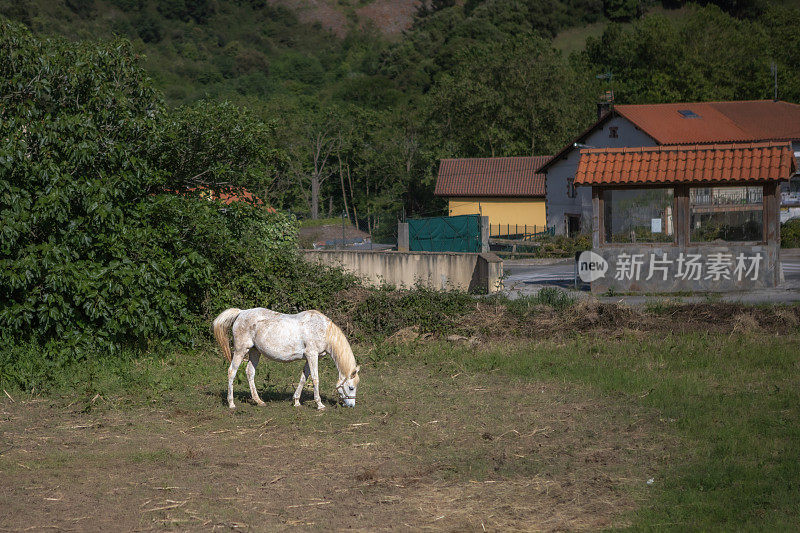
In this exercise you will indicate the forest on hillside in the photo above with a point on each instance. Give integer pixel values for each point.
(357, 123)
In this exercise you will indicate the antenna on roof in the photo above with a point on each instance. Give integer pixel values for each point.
(774, 69)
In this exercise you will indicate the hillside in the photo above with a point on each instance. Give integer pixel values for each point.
(390, 17)
(364, 97)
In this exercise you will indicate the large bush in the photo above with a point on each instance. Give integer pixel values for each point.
(790, 233)
(96, 245)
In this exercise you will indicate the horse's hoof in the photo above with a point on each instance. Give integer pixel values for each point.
(320, 408)
(261, 404)
(231, 406)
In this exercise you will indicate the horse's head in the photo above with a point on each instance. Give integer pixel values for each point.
(347, 388)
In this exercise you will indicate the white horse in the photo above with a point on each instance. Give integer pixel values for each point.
(286, 338)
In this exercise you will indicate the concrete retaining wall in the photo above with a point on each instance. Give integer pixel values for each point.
(439, 270)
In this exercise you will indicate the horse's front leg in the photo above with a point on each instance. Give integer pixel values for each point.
(251, 375)
(313, 359)
(303, 377)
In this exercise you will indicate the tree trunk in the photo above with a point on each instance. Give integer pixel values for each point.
(344, 193)
(352, 198)
(315, 196)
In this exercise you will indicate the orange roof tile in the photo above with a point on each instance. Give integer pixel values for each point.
(710, 163)
(715, 122)
(228, 195)
(491, 176)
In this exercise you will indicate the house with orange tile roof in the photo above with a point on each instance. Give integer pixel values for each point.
(701, 217)
(508, 190)
(569, 204)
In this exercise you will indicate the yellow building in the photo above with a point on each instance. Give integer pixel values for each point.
(506, 189)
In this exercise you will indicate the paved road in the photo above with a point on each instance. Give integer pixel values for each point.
(520, 273)
(791, 271)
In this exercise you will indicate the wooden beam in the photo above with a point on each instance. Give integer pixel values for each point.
(682, 218)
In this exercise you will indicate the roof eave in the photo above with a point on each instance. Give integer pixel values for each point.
(580, 138)
(444, 195)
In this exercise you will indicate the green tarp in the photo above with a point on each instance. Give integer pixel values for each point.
(445, 234)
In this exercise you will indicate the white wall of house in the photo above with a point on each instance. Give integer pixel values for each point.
(559, 205)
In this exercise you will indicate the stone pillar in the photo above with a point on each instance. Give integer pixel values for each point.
(484, 235)
(402, 237)
(488, 274)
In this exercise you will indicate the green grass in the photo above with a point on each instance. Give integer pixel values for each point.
(734, 402)
(315, 223)
(731, 403)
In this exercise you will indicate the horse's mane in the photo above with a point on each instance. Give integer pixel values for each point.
(339, 349)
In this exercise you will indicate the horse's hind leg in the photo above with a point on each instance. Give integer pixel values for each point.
(303, 377)
(251, 375)
(238, 356)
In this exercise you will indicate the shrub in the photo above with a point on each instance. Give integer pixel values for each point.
(95, 253)
(384, 312)
(555, 298)
(550, 296)
(790, 234)
(563, 246)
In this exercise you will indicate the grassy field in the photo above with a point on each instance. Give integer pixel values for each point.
(611, 429)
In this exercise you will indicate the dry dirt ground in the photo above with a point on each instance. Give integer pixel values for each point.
(426, 447)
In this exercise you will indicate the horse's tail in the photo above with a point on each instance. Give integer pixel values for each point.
(221, 326)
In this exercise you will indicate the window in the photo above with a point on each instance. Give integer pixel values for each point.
(638, 215)
(688, 113)
(571, 188)
(613, 132)
(727, 214)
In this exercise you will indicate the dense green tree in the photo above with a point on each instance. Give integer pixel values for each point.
(97, 246)
(19, 10)
(517, 97)
(437, 91)
(708, 55)
(622, 10)
(217, 144)
(782, 27)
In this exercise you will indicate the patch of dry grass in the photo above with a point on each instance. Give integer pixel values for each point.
(425, 448)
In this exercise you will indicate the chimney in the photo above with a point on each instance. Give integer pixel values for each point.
(603, 108)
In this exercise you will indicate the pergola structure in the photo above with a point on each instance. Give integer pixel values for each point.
(687, 218)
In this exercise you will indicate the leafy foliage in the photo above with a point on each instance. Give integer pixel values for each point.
(217, 143)
(385, 312)
(553, 297)
(514, 97)
(365, 120)
(94, 249)
(706, 56)
(790, 234)
(562, 245)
